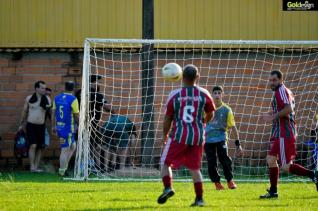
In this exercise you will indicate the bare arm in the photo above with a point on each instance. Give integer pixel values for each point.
(236, 133)
(166, 125)
(24, 115)
(283, 113)
(208, 117)
(53, 121)
(76, 118)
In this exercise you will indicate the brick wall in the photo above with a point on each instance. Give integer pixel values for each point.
(17, 78)
(243, 76)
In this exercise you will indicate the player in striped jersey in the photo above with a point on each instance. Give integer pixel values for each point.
(187, 110)
(283, 135)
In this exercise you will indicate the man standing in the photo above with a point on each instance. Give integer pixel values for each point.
(64, 120)
(216, 141)
(188, 108)
(34, 111)
(283, 135)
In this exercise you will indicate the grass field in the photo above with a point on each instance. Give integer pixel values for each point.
(26, 191)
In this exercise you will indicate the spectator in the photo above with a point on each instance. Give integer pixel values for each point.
(97, 105)
(48, 115)
(33, 123)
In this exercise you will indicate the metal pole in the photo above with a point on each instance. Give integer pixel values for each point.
(147, 134)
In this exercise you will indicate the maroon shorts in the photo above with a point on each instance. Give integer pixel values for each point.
(176, 155)
(284, 149)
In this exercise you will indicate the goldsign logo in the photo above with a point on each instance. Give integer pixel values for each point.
(300, 5)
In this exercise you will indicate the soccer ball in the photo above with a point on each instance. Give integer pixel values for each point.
(172, 72)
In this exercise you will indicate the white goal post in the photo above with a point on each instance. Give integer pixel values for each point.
(127, 74)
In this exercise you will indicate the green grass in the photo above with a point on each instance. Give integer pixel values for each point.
(25, 191)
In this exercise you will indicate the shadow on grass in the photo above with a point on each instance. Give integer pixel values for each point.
(20, 176)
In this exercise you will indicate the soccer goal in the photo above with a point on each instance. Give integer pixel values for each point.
(127, 74)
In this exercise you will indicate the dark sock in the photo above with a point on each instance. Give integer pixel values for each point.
(273, 177)
(198, 187)
(167, 180)
(300, 171)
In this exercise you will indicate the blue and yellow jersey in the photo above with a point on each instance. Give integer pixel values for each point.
(65, 106)
(217, 129)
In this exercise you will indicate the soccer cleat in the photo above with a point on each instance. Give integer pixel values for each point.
(269, 195)
(231, 185)
(198, 202)
(218, 186)
(167, 193)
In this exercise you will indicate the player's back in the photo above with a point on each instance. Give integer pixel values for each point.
(187, 106)
(63, 113)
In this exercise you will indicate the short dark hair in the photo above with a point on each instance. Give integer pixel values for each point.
(69, 86)
(190, 72)
(48, 89)
(278, 73)
(217, 88)
(37, 84)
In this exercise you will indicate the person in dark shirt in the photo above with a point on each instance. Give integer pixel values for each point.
(97, 105)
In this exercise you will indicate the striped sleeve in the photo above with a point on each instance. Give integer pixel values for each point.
(209, 105)
(284, 95)
(169, 110)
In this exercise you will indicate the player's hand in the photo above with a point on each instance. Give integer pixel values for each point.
(239, 151)
(267, 117)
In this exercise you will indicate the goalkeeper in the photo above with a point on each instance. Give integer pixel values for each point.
(216, 141)
(118, 132)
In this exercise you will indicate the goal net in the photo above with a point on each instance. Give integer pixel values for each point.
(124, 94)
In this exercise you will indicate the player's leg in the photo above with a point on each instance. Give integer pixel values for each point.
(273, 169)
(273, 177)
(38, 154)
(64, 156)
(40, 139)
(210, 152)
(171, 155)
(193, 158)
(122, 152)
(31, 133)
(287, 156)
(32, 150)
(198, 187)
(71, 151)
(226, 162)
(122, 149)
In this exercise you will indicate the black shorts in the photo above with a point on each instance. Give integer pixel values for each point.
(35, 135)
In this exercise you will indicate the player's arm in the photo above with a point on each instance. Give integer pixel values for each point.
(231, 124)
(166, 126)
(24, 115)
(209, 109)
(168, 118)
(283, 113)
(208, 117)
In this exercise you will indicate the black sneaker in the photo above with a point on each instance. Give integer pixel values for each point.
(167, 193)
(269, 195)
(198, 202)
